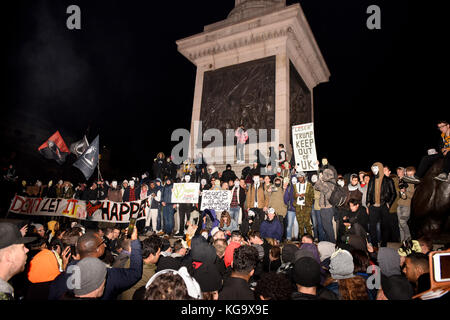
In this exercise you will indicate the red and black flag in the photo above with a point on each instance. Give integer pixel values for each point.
(55, 148)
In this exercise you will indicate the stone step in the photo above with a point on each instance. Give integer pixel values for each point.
(237, 168)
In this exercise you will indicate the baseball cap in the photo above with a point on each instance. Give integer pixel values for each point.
(11, 235)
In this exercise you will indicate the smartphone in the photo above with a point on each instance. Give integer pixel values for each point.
(131, 227)
(441, 267)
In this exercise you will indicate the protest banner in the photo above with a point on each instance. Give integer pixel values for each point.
(99, 211)
(304, 147)
(185, 192)
(218, 200)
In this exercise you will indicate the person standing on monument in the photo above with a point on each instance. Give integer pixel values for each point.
(242, 137)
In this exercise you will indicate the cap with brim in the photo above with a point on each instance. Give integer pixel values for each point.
(10, 234)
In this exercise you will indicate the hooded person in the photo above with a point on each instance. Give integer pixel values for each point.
(201, 253)
(381, 195)
(326, 184)
(203, 267)
(326, 250)
(389, 262)
(208, 220)
(287, 260)
(131, 193)
(257, 201)
(168, 208)
(52, 227)
(43, 269)
(212, 173)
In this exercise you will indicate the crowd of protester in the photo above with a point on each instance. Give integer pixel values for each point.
(287, 235)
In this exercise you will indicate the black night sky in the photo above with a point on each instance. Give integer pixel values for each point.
(122, 77)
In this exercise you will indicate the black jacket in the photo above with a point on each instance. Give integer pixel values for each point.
(321, 294)
(236, 289)
(228, 175)
(388, 193)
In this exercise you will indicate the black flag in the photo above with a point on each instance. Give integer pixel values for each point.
(89, 159)
(55, 148)
(79, 147)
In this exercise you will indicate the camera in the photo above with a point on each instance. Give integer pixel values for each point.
(402, 184)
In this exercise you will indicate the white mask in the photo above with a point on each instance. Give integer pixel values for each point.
(341, 183)
(203, 182)
(236, 183)
(375, 170)
(314, 178)
(294, 180)
(205, 235)
(131, 183)
(114, 184)
(187, 178)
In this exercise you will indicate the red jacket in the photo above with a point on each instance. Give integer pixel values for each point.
(229, 251)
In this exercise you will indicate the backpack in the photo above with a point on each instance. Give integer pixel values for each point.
(338, 196)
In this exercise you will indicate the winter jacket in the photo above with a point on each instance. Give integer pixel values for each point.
(263, 201)
(236, 289)
(409, 194)
(228, 175)
(276, 201)
(166, 194)
(148, 270)
(326, 186)
(271, 229)
(126, 194)
(387, 192)
(211, 220)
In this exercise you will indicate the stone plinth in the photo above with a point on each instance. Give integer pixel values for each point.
(253, 31)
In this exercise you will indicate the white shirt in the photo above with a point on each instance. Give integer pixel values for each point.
(301, 188)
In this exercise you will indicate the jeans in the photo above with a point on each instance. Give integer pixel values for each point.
(403, 214)
(234, 213)
(326, 215)
(319, 233)
(158, 220)
(240, 151)
(168, 219)
(380, 215)
(290, 223)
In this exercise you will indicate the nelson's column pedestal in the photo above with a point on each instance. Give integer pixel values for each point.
(258, 68)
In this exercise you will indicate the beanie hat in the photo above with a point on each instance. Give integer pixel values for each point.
(306, 272)
(92, 275)
(326, 249)
(288, 252)
(44, 267)
(341, 265)
(214, 231)
(208, 277)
